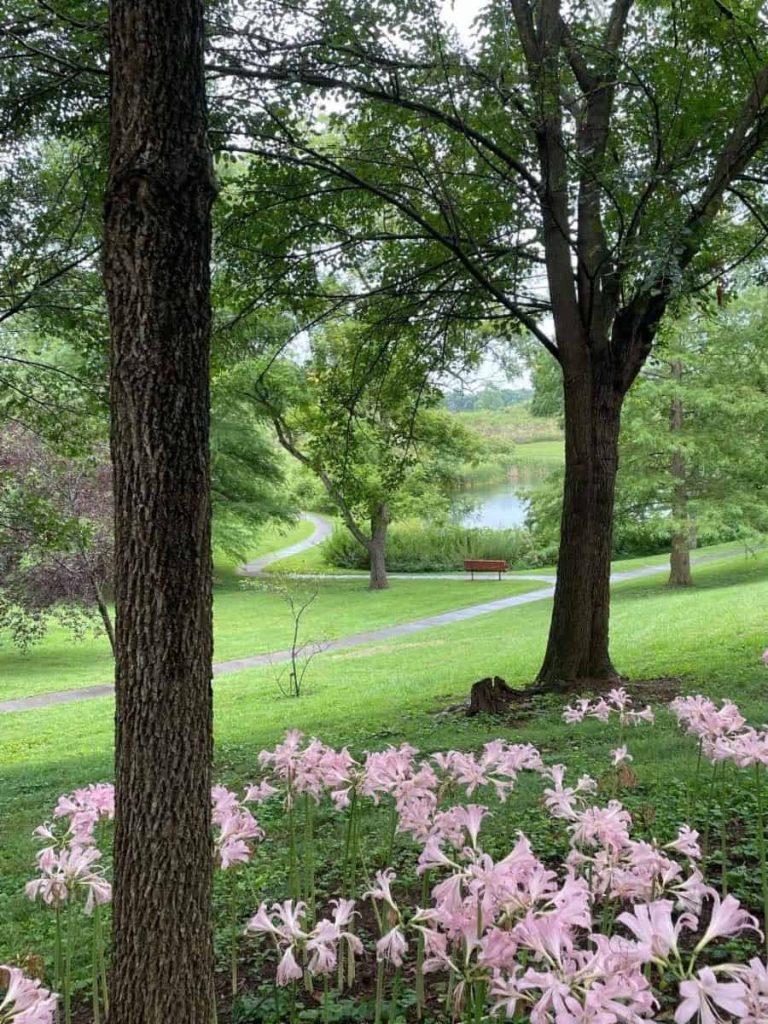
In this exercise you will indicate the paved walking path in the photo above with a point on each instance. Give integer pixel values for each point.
(323, 528)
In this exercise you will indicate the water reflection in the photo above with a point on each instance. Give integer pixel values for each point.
(498, 507)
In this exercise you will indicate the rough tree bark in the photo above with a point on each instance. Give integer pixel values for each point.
(377, 548)
(680, 549)
(156, 270)
(577, 647)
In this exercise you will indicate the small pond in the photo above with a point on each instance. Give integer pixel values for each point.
(498, 506)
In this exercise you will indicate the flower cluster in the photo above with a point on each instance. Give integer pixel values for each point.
(286, 924)
(68, 864)
(721, 731)
(26, 1001)
(234, 828)
(313, 769)
(617, 702)
(65, 872)
(619, 931)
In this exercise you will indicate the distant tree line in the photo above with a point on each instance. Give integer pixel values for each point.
(490, 398)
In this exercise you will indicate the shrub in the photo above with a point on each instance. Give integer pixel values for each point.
(413, 547)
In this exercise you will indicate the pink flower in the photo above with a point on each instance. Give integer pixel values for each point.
(288, 970)
(391, 947)
(473, 815)
(600, 710)
(576, 712)
(653, 927)
(702, 994)
(433, 857)
(727, 919)
(63, 873)
(84, 808)
(497, 949)
(562, 801)
(636, 717)
(755, 978)
(381, 890)
(747, 748)
(687, 843)
(234, 826)
(25, 1002)
(602, 826)
(260, 793)
(506, 994)
(619, 698)
(232, 841)
(620, 755)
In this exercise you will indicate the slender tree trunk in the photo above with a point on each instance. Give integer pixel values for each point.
(377, 548)
(680, 550)
(106, 618)
(157, 255)
(577, 647)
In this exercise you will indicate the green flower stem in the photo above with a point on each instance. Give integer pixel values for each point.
(101, 955)
(309, 853)
(724, 832)
(394, 996)
(709, 810)
(479, 999)
(420, 998)
(379, 991)
(294, 884)
(326, 1001)
(761, 845)
(68, 965)
(233, 932)
(57, 953)
(392, 833)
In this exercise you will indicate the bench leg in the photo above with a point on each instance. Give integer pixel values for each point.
(499, 575)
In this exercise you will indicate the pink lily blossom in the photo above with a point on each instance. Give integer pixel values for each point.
(25, 1001)
(704, 993)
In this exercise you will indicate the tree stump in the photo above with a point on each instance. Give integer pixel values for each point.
(489, 696)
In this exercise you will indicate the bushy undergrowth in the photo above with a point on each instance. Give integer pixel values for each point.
(406, 888)
(423, 548)
(419, 547)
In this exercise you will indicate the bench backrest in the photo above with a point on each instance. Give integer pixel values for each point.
(479, 564)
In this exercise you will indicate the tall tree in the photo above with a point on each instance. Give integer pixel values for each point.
(157, 275)
(694, 450)
(693, 446)
(602, 148)
(358, 413)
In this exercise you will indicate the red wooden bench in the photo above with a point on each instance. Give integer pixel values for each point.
(474, 565)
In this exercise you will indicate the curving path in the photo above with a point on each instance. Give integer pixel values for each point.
(322, 530)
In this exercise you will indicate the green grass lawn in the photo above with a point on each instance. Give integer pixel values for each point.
(712, 636)
(269, 538)
(250, 618)
(549, 453)
(513, 423)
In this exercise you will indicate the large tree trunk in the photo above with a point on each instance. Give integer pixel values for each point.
(578, 638)
(680, 549)
(157, 254)
(377, 548)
